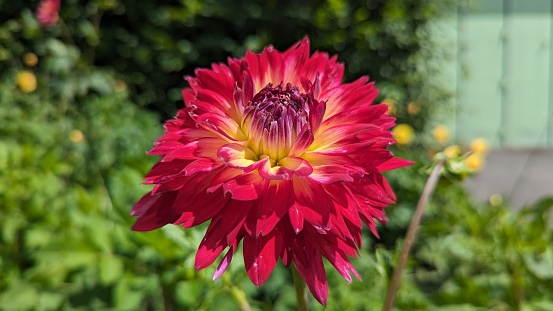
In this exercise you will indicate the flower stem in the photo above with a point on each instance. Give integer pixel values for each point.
(301, 294)
(236, 293)
(410, 236)
(240, 297)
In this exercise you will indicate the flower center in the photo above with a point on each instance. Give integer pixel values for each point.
(274, 118)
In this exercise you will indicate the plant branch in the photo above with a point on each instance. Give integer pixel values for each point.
(301, 294)
(411, 232)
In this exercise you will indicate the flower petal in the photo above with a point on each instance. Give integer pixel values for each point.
(195, 205)
(242, 187)
(260, 255)
(201, 148)
(223, 265)
(152, 211)
(272, 207)
(310, 266)
(393, 163)
(313, 203)
(237, 156)
(303, 141)
(209, 249)
(285, 169)
(226, 127)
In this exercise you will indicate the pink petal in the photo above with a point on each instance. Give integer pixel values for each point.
(294, 58)
(195, 205)
(237, 156)
(214, 81)
(202, 165)
(246, 187)
(349, 96)
(340, 134)
(344, 198)
(337, 258)
(165, 170)
(260, 256)
(393, 163)
(223, 265)
(313, 202)
(228, 224)
(303, 141)
(153, 212)
(312, 270)
(226, 127)
(201, 148)
(316, 115)
(285, 169)
(208, 251)
(273, 206)
(267, 67)
(296, 217)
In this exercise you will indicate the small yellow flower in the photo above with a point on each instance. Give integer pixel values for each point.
(26, 81)
(441, 133)
(120, 85)
(30, 59)
(479, 145)
(496, 199)
(413, 108)
(475, 161)
(76, 136)
(452, 151)
(403, 133)
(391, 106)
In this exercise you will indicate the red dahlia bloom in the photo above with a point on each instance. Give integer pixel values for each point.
(279, 154)
(47, 12)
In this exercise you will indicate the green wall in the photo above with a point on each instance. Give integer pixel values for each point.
(503, 73)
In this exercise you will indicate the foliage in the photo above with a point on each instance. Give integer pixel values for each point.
(152, 45)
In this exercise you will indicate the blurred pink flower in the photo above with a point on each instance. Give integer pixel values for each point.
(47, 12)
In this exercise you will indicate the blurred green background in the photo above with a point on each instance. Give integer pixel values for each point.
(82, 100)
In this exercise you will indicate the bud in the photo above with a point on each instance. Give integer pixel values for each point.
(479, 145)
(441, 133)
(30, 59)
(403, 133)
(26, 81)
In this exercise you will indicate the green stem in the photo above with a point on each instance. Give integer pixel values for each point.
(240, 297)
(301, 293)
(410, 236)
(237, 293)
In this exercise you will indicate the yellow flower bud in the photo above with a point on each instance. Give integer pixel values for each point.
(496, 199)
(475, 161)
(452, 151)
(26, 81)
(413, 108)
(441, 133)
(120, 85)
(30, 59)
(403, 133)
(391, 105)
(479, 145)
(76, 136)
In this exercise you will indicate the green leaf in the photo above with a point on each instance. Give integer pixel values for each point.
(111, 268)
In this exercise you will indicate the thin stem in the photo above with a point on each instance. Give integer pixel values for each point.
(240, 297)
(236, 293)
(301, 293)
(410, 236)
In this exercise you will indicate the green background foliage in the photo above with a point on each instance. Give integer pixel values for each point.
(72, 159)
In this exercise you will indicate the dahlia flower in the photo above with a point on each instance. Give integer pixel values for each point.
(278, 154)
(47, 12)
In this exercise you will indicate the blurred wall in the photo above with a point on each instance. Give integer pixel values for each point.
(503, 74)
